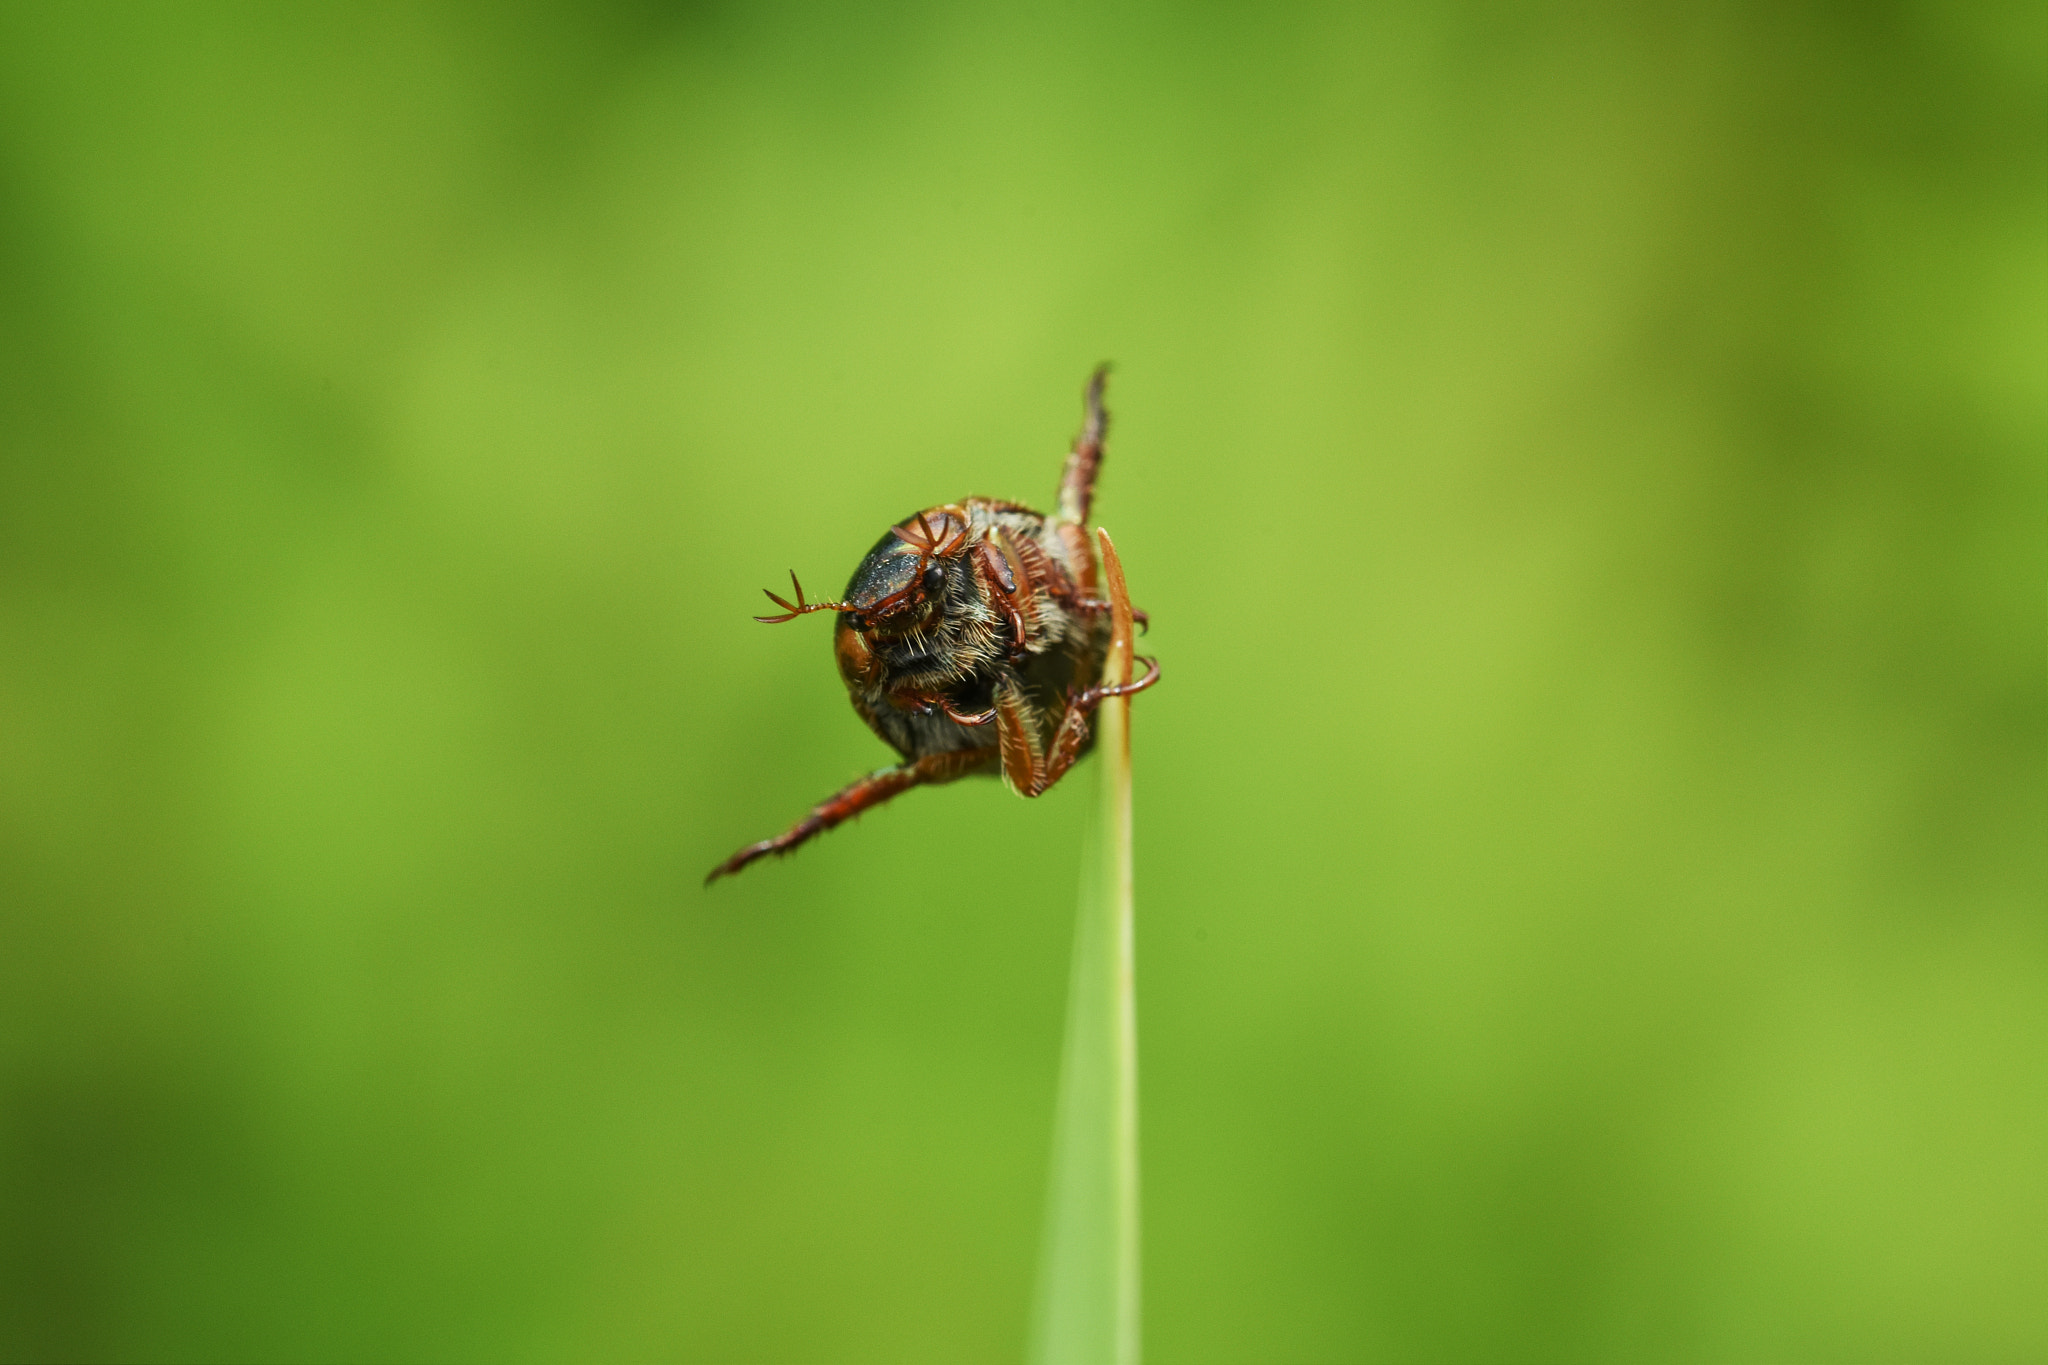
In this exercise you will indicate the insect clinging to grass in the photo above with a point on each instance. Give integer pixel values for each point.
(972, 639)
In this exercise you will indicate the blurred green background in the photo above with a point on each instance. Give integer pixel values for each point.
(1585, 466)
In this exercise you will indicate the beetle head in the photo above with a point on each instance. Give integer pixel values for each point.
(901, 584)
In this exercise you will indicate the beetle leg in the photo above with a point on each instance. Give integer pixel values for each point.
(1095, 696)
(1030, 772)
(936, 703)
(1023, 769)
(1077, 488)
(996, 569)
(864, 794)
(1100, 604)
(1077, 480)
(913, 702)
(978, 718)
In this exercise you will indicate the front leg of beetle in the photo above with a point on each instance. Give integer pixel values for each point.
(1028, 771)
(864, 794)
(914, 702)
(1031, 773)
(999, 570)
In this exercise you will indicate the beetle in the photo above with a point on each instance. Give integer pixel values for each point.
(972, 639)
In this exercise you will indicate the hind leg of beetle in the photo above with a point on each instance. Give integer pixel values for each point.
(1077, 488)
(1031, 773)
(1077, 480)
(864, 794)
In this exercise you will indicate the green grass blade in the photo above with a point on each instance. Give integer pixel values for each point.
(1087, 1309)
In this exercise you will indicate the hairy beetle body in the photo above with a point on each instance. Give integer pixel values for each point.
(972, 640)
(1009, 572)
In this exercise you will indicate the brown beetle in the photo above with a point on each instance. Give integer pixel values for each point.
(972, 640)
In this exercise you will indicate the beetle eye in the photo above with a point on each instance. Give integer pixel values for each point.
(934, 579)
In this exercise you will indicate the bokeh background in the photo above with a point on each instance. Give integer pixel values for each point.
(1585, 465)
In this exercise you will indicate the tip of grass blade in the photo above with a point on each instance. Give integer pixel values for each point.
(1117, 667)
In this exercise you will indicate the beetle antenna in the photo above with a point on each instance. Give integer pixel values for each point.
(800, 607)
(956, 537)
(918, 534)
